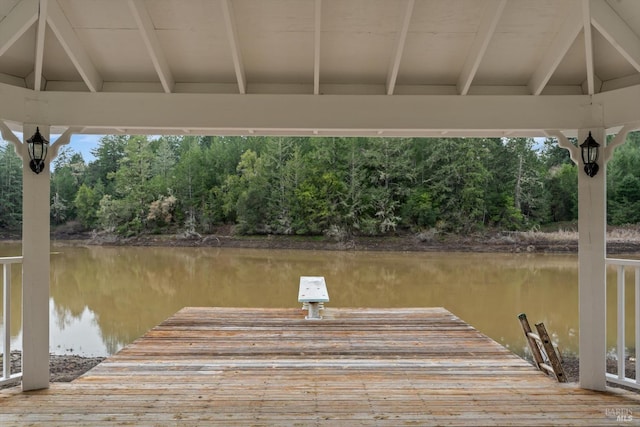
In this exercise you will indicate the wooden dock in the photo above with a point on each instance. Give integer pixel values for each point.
(266, 367)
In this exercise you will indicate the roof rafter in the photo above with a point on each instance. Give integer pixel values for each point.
(42, 26)
(73, 47)
(486, 30)
(616, 31)
(147, 31)
(316, 47)
(588, 46)
(232, 34)
(554, 54)
(394, 66)
(17, 22)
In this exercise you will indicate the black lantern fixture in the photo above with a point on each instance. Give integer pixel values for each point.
(37, 147)
(590, 155)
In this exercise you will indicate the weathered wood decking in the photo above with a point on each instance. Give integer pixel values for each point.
(391, 367)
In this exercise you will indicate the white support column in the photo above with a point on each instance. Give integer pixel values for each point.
(35, 269)
(591, 268)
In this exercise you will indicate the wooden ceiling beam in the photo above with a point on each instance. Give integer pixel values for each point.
(394, 66)
(73, 47)
(316, 46)
(588, 46)
(17, 22)
(555, 52)
(234, 45)
(39, 53)
(486, 29)
(616, 31)
(147, 31)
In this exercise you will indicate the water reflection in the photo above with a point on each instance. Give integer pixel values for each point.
(105, 297)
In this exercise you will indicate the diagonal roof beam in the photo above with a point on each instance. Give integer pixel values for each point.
(588, 46)
(232, 34)
(17, 22)
(486, 30)
(394, 66)
(42, 26)
(316, 48)
(554, 54)
(72, 45)
(147, 31)
(616, 31)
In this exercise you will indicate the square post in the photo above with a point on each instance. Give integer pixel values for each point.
(35, 269)
(592, 219)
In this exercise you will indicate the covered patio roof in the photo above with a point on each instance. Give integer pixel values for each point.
(320, 67)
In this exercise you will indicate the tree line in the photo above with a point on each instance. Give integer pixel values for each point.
(318, 186)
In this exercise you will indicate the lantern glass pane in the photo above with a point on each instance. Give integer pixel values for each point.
(37, 151)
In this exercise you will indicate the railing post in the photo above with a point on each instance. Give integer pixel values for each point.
(621, 376)
(7, 377)
(621, 318)
(637, 321)
(6, 293)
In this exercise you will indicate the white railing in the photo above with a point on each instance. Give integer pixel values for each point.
(7, 376)
(621, 377)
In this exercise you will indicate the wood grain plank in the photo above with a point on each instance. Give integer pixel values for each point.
(383, 367)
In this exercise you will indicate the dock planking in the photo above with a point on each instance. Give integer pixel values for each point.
(383, 367)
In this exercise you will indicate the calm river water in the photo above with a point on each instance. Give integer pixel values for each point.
(103, 298)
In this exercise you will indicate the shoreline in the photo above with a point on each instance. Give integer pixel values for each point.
(421, 242)
(62, 368)
(521, 242)
(620, 240)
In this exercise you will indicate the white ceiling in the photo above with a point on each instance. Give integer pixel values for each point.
(348, 48)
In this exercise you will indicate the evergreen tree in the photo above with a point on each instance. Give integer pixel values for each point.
(458, 178)
(110, 150)
(516, 197)
(87, 203)
(247, 194)
(10, 188)
(562, 192)
(391, 175)
(66, 178)
(335, 186)
(623, 182)
(190, 184)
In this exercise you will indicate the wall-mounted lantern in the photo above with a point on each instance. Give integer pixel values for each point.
(590, 155)
(37, 147)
